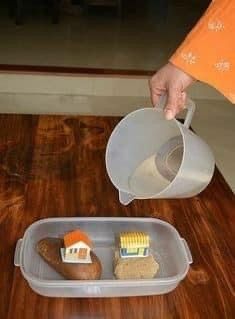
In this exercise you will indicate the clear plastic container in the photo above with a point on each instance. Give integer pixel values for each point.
(170, 250)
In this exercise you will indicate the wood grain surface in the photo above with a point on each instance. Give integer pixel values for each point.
(53, 166)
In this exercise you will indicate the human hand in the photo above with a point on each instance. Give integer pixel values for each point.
(171, 81)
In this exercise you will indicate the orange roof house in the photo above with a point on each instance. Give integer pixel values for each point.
(77, 247)
(74, 237)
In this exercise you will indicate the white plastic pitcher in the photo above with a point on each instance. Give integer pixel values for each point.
(148, 156)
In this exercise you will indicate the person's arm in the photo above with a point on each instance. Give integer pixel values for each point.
(207, 54)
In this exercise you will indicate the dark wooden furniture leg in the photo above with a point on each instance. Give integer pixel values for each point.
(11, 8)
(55, 9)
(19, 12)
(163, 9)
(120, 8)
(85, 6)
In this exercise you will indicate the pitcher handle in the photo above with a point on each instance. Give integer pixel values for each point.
(189, 105)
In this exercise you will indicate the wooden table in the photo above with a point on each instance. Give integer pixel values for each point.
(54, 166)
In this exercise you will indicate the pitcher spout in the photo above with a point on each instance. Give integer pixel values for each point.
(125, 198)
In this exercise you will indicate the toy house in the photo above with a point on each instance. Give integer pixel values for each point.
(134, 244)
(77, 247)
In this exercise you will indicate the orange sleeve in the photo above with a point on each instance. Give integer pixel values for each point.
(208, 52)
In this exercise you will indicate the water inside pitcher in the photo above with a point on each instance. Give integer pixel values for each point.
(156, 172)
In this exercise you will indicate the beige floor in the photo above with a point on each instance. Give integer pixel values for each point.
(141, 40)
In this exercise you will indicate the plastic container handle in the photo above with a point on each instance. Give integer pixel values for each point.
(189, 105)
(18, 253)
(187, 251)
(125, 198)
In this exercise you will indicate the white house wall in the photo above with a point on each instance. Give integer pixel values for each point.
(78, 245)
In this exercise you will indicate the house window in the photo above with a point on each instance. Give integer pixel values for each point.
(82, 254)
(132, 250)
(75, 250)
(71, 250)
